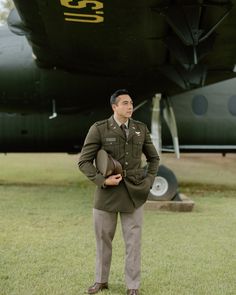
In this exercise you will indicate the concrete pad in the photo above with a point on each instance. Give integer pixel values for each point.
(184, 205)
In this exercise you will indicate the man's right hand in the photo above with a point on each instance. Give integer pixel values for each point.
(113, 180)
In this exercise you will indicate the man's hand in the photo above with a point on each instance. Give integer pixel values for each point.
(113, 180)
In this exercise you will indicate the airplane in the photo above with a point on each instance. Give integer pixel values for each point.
(60, 60)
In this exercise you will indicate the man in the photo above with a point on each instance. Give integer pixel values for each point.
(123, 193)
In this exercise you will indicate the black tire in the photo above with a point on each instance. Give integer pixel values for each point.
(165, 185)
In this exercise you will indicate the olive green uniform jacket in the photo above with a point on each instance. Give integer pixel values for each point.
(133, 190)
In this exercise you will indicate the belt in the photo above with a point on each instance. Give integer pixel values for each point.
(130, 172)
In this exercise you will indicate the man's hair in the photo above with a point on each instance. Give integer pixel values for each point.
(116, 94)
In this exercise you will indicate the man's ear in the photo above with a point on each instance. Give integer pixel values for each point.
(113, 107)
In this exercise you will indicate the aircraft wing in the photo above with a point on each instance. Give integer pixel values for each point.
(65, 58)
(172, 45)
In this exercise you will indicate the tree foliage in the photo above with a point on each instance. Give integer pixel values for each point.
(5, 7)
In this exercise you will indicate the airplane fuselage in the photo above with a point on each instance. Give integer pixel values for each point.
(29, 95)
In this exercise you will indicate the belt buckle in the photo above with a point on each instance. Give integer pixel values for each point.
(124, 173)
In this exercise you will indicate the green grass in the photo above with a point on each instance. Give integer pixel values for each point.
(47, 243)
(204, 170)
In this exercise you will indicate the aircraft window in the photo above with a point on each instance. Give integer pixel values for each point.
(232, 105)
(199, 105)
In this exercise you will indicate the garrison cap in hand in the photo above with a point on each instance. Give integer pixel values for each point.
(107, 165)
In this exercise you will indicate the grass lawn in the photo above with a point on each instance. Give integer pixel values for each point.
(47, 244)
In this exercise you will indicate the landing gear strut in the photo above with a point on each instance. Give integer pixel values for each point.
(165, 185)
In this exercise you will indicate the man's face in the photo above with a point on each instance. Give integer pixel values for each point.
(123, 109)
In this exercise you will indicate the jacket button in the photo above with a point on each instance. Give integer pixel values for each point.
(126, 163)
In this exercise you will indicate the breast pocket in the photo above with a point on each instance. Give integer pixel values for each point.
(111, 146)
(137, 147)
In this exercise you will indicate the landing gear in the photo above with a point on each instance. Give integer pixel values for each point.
(165, 185)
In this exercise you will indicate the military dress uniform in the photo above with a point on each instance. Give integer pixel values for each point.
(127, 198)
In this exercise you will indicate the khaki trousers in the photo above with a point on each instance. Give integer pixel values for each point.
(105, 227)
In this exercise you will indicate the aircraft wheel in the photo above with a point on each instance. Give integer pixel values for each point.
(165, 185)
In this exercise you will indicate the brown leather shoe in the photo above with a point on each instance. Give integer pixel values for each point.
(96, 287)
(132, 292)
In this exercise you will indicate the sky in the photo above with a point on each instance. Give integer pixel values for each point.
(1, 8)
(1, 4)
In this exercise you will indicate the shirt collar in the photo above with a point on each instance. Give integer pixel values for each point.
(119, 123)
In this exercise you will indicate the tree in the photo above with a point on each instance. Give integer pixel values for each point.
(5, 7)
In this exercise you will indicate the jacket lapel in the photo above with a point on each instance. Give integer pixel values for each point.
(115, 127)
(132, 129)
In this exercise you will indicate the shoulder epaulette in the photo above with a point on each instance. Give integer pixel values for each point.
(98, 123)
(138, 122)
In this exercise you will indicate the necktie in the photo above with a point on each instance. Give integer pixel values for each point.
(123, 127)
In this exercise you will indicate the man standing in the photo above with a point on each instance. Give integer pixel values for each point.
(124, 139)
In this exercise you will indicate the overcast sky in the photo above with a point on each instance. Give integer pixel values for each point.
(0, 4)
(1, 7)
